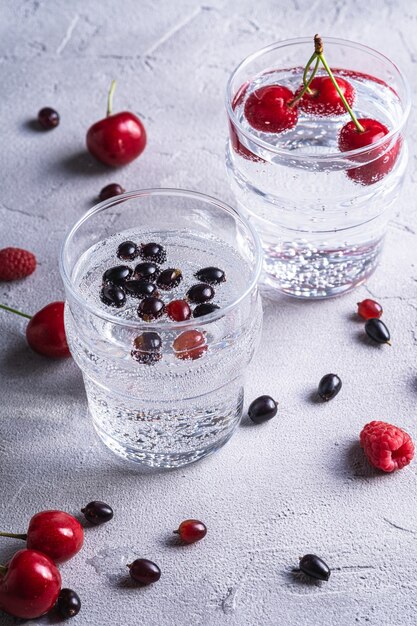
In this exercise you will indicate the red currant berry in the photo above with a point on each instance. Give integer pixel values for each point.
(350, 138)
(324, 99)
(144, 571)
(191, 344)
(267, 109)
(191, 530)
(178, 310)
(368, 309)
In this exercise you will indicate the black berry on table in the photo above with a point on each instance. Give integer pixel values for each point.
(315, 567)
(153, 252)
(113, 295)
(148, 271)
(204, 309)
(144, 571)
(202, 292)
(117, 275)
(127, 251)
(110, 191)
(377, 331)
(211, 275)
(169, 278)
(151, 309)
(68, 603)
(140, 288)
(97, 512)
(329, 386)
(262, 409)
(48, 118)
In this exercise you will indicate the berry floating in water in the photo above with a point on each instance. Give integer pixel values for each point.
(262, 409)
(151, 309)
(200, 293)
(140, 288)
(211, 275)
(113, 295)
(153, 252)
(191, 530)
(147, 348)
(178, 310)
(127, 251)
(68, 603)
(204, 309)
(117, 275)
(315, 567)
(368, 309)
(144, 571)
(191, 344)
(329, 386)
(97, 512)
(267, 109)
(48, 118)
(147, 271)
(386, 446)
(110, 191)
(377, 331)
(169, 279)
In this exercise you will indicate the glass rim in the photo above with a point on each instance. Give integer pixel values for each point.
(163, 324)
(311, 156)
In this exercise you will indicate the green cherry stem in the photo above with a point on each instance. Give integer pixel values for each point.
(307, 82)
(110, 98)
(3, 570)
(7, 308)
(14, 536)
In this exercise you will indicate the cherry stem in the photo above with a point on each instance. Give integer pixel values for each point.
(3, 570)
(14, 536)
(176, 532)
(7, 308)
(306, 82)
(110, 98)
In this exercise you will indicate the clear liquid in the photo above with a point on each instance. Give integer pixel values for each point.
(321, 231)
(173, 411)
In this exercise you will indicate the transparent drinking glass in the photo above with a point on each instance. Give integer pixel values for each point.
(180, 403)
(321, 213)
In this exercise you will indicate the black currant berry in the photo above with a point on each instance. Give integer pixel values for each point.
(144, 571)
(127, 251)
(169, 279)
(147, 271)
(329, 386)
(262, 409)
(68, 603)
(211, 275)
(140, 288)
(151, 308)
(97, 512)
(205, 309)
(109, 191)
(147, 348)
(315, 567)
(153, 252)
(117, 275)
(48, 118)
(113, 295)
(200, 293)
(376, 330)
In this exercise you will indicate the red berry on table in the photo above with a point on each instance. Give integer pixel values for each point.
(118, 138)
(324, 99)
(267, 110)
(48, 118)
(29, 585)
(178, 310)
(368, 309)
(45, 332)
(109, 191)
(16, 263)
(144, 571)
(191, 344)
(386, 447)
(350, 138)
(191, 530)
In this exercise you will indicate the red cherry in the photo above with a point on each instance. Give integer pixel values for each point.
(369, 309)
(57, 534)
(350, 138)
(178, 310)
(117, 139)
(45, 332)
(325, 100)
(191, 530)
(30, 585)
(267, 109)
(191, 344)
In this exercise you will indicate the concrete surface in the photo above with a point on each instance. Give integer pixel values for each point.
(295, 485)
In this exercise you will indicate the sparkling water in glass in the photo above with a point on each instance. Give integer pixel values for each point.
(172, 410)
(321, 214)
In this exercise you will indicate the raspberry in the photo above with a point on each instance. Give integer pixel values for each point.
(387, 447)
(16, 263)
